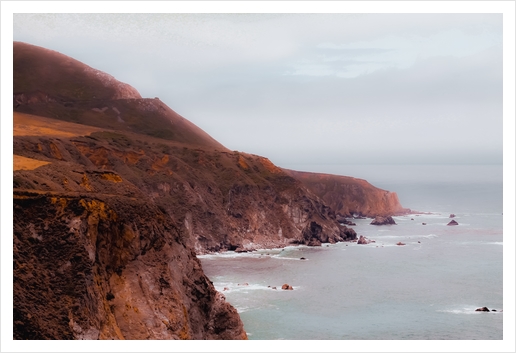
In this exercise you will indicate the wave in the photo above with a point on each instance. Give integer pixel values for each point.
(470, 310)
(243, 287)
(427, 236)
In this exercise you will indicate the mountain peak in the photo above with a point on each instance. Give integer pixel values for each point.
(40, 69)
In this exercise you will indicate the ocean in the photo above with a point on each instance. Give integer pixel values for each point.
(427, 289)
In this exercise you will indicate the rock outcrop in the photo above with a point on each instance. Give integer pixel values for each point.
(379, 221)
(350, 196)
(109, 268)
(364, 240)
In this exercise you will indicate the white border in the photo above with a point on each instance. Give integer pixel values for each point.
(505, 7)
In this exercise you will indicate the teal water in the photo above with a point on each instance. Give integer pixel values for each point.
(426, 290)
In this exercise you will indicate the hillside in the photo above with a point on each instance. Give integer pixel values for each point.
(53, 85)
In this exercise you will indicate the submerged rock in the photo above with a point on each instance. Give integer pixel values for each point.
(453, 223)
(400, 243)
(452, 215)
(379, 221)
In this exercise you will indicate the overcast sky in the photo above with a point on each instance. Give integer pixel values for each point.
(307, 88)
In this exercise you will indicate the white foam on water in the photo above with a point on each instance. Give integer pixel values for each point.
(469, 310)
(239, 287)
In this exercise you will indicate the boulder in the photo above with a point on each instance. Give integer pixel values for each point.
(347, 233)
(379, 221)
(364, 240)
(483, 309)
(453, 223)
(287, 287)
(302, 258)
(314, 242)
(343, 220)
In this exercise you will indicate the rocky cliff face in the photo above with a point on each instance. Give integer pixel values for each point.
(349, 196)
(222, 200)
(109, 267)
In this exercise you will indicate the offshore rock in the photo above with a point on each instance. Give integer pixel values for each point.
(379, 220)
(483, 309)
(287, 287)
(364, 240)
(453, 223)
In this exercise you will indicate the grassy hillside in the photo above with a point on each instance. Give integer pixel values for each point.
(50, 84)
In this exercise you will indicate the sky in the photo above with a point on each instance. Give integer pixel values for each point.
(307, 89)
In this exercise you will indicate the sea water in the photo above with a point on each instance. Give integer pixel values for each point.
(427, 289)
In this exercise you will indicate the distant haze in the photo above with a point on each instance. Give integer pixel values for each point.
(307, 88)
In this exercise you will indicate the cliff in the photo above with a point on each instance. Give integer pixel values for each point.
(109, 267)
(349, 196)
(222, 200)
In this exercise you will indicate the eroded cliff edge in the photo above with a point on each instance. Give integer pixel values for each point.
(349, 196)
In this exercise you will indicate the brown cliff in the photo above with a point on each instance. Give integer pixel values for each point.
(349, 196)
(109, 268)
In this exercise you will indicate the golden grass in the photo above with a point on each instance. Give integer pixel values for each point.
(33, 125)
(24, 163)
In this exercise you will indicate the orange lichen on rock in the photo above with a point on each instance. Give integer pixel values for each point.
(159, 163)
(183, 334)
(270, 166)
(61, 202)
(242, 163)
(24, 163)
(55, 151)
(98, 156)
(85, 183)
(111, 177)
(130, 157)
(100, 208)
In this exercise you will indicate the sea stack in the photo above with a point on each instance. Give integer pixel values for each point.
(379, 221)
